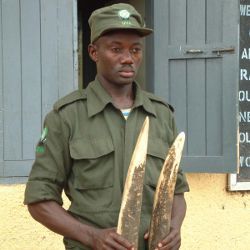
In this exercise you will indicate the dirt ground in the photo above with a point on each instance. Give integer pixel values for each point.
(17, 229)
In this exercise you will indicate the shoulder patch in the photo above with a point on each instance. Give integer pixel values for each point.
(70, 98)
(160, 100)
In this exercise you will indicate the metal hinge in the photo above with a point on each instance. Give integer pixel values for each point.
(194, 51)
(223, 50)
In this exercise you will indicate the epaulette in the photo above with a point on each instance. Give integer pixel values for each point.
(160, 100)
(70, 98)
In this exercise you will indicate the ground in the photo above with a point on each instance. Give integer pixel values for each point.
(17, 229)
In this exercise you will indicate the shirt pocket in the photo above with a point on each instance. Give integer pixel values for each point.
(156, 154)
(93, 162)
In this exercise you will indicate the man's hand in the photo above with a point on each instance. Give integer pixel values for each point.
(108, 239)
(171, 242)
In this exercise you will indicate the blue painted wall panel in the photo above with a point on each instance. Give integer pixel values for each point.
(36, 68)
(12, 80)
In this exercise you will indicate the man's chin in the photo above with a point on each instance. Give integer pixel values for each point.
(126, 81)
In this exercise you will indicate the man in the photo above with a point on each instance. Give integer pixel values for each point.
(87, 144)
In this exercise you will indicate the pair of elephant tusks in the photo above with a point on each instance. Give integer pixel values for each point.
(130, 212)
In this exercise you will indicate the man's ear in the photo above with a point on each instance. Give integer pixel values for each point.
(92, 49)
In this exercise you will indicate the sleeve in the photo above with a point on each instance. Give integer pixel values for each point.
(52, 164)
(181, 181)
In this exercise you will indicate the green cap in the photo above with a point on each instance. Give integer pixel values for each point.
(116, 16)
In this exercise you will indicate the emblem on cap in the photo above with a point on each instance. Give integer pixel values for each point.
(124, 14)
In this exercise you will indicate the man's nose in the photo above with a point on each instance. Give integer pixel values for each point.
(127, 57)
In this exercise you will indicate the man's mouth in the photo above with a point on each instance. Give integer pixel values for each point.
(127, 72)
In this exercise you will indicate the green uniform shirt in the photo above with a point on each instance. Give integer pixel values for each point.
(86, 148)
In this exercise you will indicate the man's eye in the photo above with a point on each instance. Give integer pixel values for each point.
(136, 50)
(116, 50)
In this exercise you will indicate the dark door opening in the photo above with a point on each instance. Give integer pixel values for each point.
(87, 68)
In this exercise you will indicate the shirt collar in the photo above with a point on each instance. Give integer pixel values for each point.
(98, 98)
(141, 99)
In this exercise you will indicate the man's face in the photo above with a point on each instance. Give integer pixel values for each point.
(118, 56)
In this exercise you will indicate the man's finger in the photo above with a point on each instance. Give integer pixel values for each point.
(146, 235)
(122, 241)
(172, 242)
